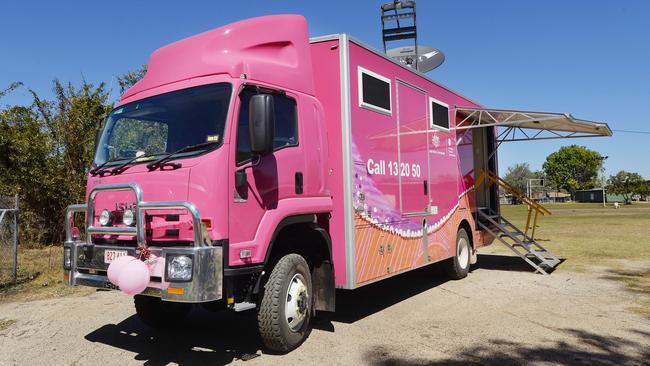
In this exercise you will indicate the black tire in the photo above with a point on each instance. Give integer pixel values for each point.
(455, 269)
(160, 314)
(275, 330)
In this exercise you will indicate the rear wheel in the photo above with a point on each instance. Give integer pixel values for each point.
(160, 314)
(286, 306)
(458, 266)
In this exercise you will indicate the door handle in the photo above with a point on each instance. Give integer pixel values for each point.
(426, 188)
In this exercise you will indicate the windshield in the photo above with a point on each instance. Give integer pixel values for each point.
(165, 123)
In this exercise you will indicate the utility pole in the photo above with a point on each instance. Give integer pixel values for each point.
(602, 178)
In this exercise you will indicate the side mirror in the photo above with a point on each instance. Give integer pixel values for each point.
(261, 124)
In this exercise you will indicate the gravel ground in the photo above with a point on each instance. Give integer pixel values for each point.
(501, 314)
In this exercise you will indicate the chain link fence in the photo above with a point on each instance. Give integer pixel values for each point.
(8, 239)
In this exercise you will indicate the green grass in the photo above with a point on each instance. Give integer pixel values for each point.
(588, 235)
(40, 276)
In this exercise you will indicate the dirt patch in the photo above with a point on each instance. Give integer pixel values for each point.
(502, 314)
(636, 277)
(6, 324)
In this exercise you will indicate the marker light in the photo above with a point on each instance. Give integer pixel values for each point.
(67, 258)
(105, 217)
(128, 217)
(179, 268)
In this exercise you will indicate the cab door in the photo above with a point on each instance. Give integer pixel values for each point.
(272, 180)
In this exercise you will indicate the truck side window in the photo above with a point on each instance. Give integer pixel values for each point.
(286, 125)
(374, 91)
(439, 114)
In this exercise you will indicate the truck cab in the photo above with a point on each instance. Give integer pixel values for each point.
(213, 171)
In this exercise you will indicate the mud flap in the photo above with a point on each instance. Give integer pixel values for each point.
(473, 258)
(324, 289)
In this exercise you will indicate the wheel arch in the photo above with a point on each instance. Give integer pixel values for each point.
(302, 234)
(464, 224)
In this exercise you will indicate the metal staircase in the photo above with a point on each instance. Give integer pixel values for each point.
(504, 231)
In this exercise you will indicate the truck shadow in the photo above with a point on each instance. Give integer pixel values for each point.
(205, 338)
(503, 263)
(352, 306)
(220, 338)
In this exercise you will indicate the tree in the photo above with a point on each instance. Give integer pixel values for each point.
(46, 149)
(130, 78)
(573, 168)
(518, 175)
(626, 184)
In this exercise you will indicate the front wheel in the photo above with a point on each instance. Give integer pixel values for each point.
(286, 305)
(458, 266)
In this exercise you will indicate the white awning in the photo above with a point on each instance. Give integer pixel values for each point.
(525, 125)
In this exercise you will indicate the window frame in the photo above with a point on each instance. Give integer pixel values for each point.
(432, 125)
(191, 154)
(360, 71)
(274, 93)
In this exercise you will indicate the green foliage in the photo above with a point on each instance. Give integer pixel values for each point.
(130, 78)
(518, 175)
(130, 135)
(573, 168)
(46, 149)
(626, 184)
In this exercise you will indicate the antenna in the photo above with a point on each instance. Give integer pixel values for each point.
(398, 23)
(428, 57)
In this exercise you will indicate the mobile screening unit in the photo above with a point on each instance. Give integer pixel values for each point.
(252, 167)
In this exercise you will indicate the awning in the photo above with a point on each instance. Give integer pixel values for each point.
(525, 125)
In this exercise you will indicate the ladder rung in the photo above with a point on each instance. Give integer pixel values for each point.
(538, 253)
(549, 263)
(398, 16)
(399, 36)
(400, 30)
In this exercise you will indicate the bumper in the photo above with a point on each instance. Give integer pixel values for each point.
(86, 266)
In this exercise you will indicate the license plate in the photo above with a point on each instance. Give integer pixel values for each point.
(111, 255)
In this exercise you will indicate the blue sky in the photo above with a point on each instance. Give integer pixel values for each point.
(589, 58)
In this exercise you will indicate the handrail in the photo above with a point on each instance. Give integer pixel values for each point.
(512, 190)
(532, 205)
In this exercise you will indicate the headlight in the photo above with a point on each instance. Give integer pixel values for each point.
(179, 268)
(105, 217)
(128, 217)
(67, 258)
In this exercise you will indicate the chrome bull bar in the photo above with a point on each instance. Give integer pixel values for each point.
(206, 284)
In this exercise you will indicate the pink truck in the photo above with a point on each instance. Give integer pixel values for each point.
(253, 167)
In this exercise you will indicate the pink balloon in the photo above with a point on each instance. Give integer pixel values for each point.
(134, 278)
(115, 268)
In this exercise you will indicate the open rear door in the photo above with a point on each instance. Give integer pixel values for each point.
(487, 129)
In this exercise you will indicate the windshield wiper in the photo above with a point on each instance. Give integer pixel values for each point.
(96, 170)
(165, 159)
(125, 165)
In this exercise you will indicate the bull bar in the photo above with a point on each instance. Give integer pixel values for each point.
(86, 266)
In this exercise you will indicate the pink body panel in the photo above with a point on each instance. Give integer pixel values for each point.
(326, 71)
(393, 155)
(272, 49)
